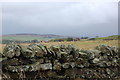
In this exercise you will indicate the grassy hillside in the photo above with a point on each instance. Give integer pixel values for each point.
(24, 37)
(115, 37)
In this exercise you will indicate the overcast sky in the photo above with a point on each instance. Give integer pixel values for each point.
(61, 18)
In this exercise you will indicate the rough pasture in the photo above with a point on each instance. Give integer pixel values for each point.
(78, 44)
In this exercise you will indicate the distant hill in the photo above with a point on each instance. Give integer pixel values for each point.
(24, 37)
(114, 37)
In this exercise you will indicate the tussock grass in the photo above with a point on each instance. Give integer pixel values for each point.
(77, 44)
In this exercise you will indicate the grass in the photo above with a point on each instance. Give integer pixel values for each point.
(109, 37)
(77, 44)
(85, 44)
(24, 38)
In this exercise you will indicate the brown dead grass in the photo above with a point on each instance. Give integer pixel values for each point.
(77, 44)
(85, 44)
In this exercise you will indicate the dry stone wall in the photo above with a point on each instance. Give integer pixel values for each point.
(62, 62)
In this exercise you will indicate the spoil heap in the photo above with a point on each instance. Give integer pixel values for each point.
(59, 62)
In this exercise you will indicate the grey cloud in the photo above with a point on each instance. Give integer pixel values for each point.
(70, 19)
